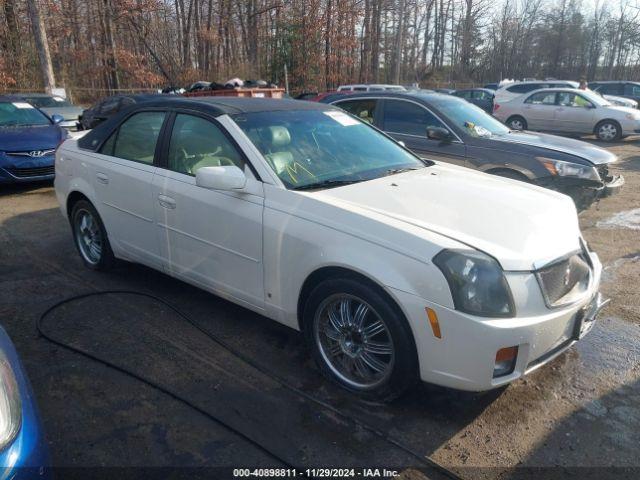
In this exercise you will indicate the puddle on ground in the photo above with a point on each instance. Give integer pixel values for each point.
(610, 353)
(627, 219)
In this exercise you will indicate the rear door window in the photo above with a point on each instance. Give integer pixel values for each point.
(408, 118)
(542, 98)
(611, 89)
(136, 138)
(632, 89)
(480, 95)
(363, 109)
(525, 88)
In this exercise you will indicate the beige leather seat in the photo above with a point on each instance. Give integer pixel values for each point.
(279, 157)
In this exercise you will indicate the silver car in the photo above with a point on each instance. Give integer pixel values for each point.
(55, 105)
(569, 110)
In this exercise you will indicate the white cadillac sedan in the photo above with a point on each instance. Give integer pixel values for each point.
(395, 268)
(568, 110)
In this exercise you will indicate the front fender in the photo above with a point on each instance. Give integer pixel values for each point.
(295, 247)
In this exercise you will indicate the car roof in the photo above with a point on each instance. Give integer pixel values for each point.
(220, 105)
(535, 82)
(615, 81)
(11, 98)
(43, 95)
(409, 95)
(475, 89)
(215, 106)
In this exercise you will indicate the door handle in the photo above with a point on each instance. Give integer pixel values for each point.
(102, 178)
(167, 202)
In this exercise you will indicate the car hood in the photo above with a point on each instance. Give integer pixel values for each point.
(627, 102)
(68, 113)
(595, 155)
(521, 225)
(22, 139)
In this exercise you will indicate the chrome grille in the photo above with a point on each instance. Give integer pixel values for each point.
(31, 172)
(564, 281)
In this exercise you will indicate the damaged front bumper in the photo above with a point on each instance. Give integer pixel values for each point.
(584, 192)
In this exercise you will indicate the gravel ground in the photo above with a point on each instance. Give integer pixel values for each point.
(582, 410)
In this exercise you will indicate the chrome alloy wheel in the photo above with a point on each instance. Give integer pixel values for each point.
(607, 131)
(354, 341)
(88, 236)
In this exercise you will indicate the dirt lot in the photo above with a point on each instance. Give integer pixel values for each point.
(582, 410)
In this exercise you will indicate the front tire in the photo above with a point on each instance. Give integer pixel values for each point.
(608, 131)
(360, 340)
(90, 237)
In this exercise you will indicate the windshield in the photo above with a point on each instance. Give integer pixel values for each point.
(309, 148)
(473, 120)
(20, 114)
(47, 102)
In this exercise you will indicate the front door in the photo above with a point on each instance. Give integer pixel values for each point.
(407, 121)
(122, 175)
(574, 113)
(211, 238)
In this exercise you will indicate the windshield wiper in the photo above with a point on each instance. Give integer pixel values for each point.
(393, 171)
(328, 184)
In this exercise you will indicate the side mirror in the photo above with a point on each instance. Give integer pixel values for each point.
(225, 178)
(55, 118)
(438, 133)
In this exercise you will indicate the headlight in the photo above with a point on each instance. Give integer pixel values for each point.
(10, 404)
(477, 283)
(561, 168)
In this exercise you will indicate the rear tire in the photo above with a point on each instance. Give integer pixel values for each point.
(90, 237)
(608, 131)
(360, 340)
(516, 122)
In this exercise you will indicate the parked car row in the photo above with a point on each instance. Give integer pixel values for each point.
(396, 268)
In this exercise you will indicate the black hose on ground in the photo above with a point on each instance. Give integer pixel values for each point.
(427, 462)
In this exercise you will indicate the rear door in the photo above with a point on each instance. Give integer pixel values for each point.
(539, 110)
(122, 180)
(482, 99)
(407, 121)
(574, 113)
(364, 108)
(632, 90)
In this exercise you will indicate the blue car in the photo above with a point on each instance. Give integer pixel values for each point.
(28, 141)
(23, 449)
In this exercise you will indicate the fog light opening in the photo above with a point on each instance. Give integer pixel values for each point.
(505, 361)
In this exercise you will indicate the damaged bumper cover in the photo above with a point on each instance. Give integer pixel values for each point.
(584, 192)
